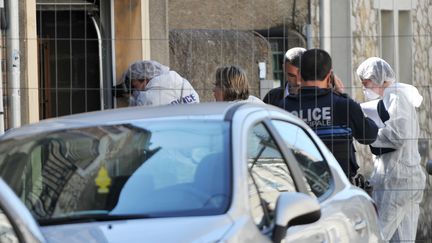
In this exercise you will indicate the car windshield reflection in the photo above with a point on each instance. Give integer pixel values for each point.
(148, 169)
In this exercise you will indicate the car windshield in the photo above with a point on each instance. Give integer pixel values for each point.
(149, 169)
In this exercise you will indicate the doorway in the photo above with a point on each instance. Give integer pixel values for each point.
(70, 58)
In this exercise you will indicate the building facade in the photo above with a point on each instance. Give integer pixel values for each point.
(62, 57)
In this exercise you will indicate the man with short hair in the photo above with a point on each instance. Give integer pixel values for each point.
(321, 107)
(292, 77)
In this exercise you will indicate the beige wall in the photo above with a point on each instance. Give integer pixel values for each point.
(29, 63)
(196, 54)
(203, 45)
(158, 23)
(141, 33)
(127, 34)
(238, 14)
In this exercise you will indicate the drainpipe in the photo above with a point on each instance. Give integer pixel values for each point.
(13, 65)
(3, 24)
(309, 27)
(325, 25)
(1, 97)
(13, 62)
(101, 79)
(113, 51)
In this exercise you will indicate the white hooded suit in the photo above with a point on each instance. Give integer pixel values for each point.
(164, 85)
(398, 179)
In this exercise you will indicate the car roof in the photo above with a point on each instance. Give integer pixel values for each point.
(213, 110)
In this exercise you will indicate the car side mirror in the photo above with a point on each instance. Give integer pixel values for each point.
(294, 208)
(429, 166)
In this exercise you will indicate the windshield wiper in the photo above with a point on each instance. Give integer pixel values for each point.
(80, 218)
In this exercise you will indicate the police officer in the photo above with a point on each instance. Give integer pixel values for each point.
(320, 107)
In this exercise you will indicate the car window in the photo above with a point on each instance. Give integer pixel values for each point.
(268, 174)
(164, 168)
(313, 164)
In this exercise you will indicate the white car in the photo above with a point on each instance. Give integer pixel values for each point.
(229, 172)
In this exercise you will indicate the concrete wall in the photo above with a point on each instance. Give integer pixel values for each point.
(159, 39)
(235, 14)
(199, 42)
(196, 54)
(127, 27)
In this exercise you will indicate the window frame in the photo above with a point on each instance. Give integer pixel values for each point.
(332, 186)
(293, 169)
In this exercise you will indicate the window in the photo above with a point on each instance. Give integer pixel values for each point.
(387, 37)
(281, 39)
(312, 163)
(396, 36)
(125, 169)
(268, 175)
(405, 40)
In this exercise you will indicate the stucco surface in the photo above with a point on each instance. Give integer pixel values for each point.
(196, 54)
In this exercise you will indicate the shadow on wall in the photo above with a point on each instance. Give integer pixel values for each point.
(196, 54)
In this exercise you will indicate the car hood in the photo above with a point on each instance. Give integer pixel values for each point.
(185, 229)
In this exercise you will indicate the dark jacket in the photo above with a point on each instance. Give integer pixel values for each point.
(324, 108)
(274, 96)
(384, 115)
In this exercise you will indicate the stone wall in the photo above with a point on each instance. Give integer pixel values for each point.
(422, 78)
(365, 43)
(196, 54)
(235, 14)
(207, 34)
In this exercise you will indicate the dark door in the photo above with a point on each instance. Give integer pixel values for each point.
(68, 62)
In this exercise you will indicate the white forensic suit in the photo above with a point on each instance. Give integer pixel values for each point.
(167, 88)
(398, 179)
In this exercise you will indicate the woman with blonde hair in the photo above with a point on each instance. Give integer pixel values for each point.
(232, 85)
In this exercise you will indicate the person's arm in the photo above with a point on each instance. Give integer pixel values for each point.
(398, 127)
(364, 129)
(274, 96)
(266, 98)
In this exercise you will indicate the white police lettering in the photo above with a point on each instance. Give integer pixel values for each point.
(187, 99)
(318, 116)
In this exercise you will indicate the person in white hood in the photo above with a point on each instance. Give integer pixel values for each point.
(232, 85)
(398, 179)
(155, 84)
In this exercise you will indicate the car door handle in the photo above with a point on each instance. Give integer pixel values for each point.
(360, 224)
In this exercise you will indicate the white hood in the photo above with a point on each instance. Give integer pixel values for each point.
(168, 88)
(410, 92)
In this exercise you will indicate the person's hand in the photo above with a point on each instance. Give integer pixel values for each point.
(338, 85)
